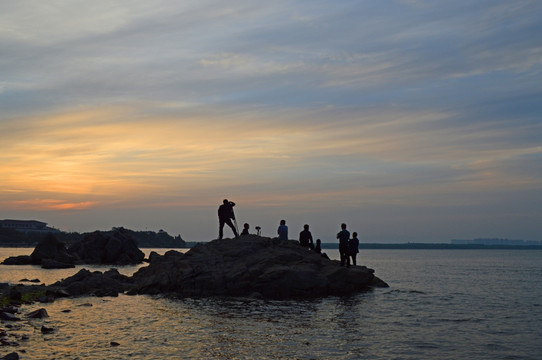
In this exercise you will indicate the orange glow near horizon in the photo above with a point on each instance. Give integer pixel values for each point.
(96, 158)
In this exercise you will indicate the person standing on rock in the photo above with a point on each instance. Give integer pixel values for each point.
(305, 238)
(282, 231)
(353, 247)
(225, 215)
(344, 236)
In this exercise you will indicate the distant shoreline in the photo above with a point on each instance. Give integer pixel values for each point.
(424, 246)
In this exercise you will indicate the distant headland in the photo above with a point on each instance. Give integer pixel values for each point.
(28, 233)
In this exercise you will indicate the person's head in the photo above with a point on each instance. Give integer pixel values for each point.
(343, 226)
(306, 227)
(283, 222)
(355, 234)
(318, 241)
(226, 201)
(246, 226)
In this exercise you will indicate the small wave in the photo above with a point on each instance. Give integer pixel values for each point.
(475, 320)
(425, 345)
(406, 292)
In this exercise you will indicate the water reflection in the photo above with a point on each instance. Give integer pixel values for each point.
(428, 316)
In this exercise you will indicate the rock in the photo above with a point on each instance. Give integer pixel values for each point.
(15, 294)
(46, 299)
(6, 316)
(47, 330)
(48, 249)
(114, 343)
(38, 314)
(96, 283)
(153, 255)
(18, 260)
(11, 356)
(32, 281)
(251, 265)
(118, 248)
(51, 249)
(57, 293)
(54, 264)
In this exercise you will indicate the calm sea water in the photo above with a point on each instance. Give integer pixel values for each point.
(441, 304)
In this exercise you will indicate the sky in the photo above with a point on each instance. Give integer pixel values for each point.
(409, 120)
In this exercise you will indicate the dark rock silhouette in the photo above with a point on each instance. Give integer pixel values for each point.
(18, 260)
(7, 316)
(51, 249)
(251, 266)
(11, 356)
(86, 283)
(110, 248)
(54, 264)
(47, 330)
(116, 248)
(38, 314)
(50, 253)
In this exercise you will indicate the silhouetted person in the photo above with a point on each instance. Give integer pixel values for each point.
(318, 249)
(353, 247)
(343, 237)
(245, 229)
(225, 214)
(283, 230)
(305, 238)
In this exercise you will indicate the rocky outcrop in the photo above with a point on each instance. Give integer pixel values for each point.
(251, 266)
(18, 260)
(87, 283)
(50, 253)
(117, 248)
(109, 248)
(50, 248)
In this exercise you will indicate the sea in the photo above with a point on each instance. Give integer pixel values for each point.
(441, 304)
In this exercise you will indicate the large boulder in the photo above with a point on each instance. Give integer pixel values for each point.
(53, 249)
(50, 253)
(96, 283)
(117, 248)
(248, 266)
(18, 260)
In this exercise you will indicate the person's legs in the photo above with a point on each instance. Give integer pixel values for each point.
(343, 254)
(230, 224)
(354, 259)
(221, 229)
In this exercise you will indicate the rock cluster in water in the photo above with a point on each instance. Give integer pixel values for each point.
(251, 266)
(117, 248)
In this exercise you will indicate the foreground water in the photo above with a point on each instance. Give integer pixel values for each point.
(441, 304)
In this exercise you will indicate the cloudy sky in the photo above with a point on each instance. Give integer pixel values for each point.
(410, 120)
